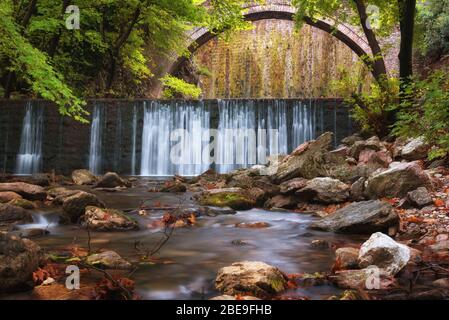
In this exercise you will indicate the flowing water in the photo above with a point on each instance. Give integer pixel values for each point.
(29, 159)
(95, 154)
(197, 252)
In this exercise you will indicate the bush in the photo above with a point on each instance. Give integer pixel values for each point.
(425, 112)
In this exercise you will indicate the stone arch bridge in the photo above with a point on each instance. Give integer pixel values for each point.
(282, 10)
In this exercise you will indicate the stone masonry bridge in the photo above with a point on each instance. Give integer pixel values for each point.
(283, 10)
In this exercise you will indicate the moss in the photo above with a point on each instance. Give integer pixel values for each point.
(23, 203)
(233, 200)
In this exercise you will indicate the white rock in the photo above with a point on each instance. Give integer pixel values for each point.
(382, 251)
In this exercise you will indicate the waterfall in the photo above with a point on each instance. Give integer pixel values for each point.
(303, 123)
(96, 140)
(134, 141)
(29, 159)
(236, 142)
(172, 138)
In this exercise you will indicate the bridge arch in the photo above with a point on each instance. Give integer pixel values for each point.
(282, 11)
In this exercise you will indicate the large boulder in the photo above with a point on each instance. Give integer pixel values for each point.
(19, 258)
(306, 161)
(12, 214)
(8, 196)
(415, 149)
(74, 205)
(397, 181)
(83, 176)
(108, 220)
(112, 180)
(385, 253)
(324, 190)
(26, 190)
(234, 198)
(256, 278)
(363, 217)
(108, 260)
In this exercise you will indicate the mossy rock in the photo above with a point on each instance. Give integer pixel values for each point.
(233, 200)
(23, 203)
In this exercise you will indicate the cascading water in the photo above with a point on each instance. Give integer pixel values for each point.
(134, 141)
(29, 159)
(172, 138)
(236, 142)
(96, 140)
(303, 123)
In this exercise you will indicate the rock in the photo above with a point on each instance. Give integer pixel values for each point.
(441, 283)
(347, 258)
(173, 186)
(282, 202)
(350, 140)
(108, 220)
(363, 217)
(112, 180)
(11, 214)
(385, 253)
(379, 159)
(27, 191)
(8, 196)
(23, 203)
(74, 206)
(256, 278)
(291, 186)
(234, 198)
(19, 258)
(306, 161)
(258, 195)
(215, 211)
(397, 181)
(324, 190)
(228, 297)
(357, 192)
(254, 225)
(416, 149)
(440, 246)
(419, 197)
(108, 260)
(319, 244)
(357, 279)
(30, 233)
(83, 176)
(372, 144)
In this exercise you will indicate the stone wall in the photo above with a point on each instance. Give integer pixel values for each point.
(273, 60)
(66, 142)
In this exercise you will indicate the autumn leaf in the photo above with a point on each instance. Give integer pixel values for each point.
(439, 203)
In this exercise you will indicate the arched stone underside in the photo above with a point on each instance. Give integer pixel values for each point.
(281, 11)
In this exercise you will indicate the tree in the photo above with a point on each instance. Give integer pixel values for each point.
(355, 12)
(113, 53)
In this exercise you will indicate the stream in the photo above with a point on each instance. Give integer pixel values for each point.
(194, 254)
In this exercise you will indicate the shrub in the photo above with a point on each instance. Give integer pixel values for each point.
(424, 111)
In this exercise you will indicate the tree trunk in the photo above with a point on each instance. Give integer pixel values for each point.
(407, 20)
(379, 68)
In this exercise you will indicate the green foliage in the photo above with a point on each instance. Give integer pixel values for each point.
(174, 87)
(425, 112)
(32, 66)
(111, 54)
(372, 109)
(433, 28)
